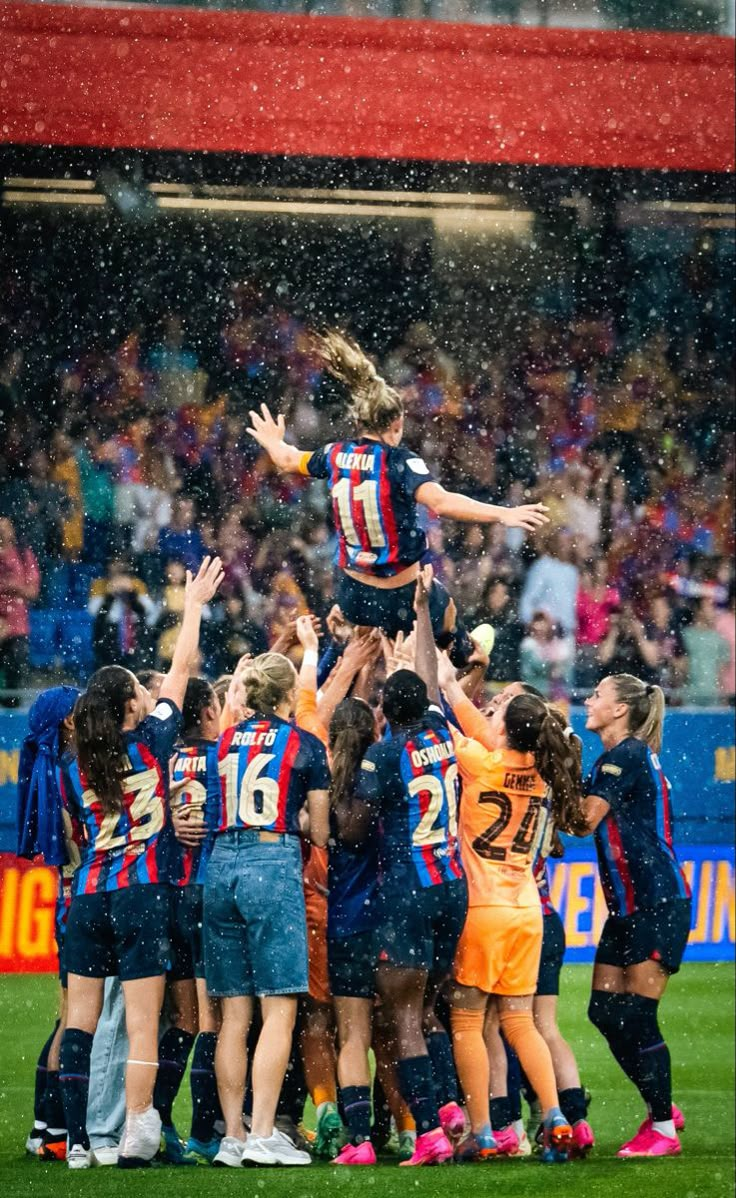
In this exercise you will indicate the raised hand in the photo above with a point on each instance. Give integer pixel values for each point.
(446, 672)
(423, 587)
(264, 429)
(529, 516)
(307, 633)
(200, 588)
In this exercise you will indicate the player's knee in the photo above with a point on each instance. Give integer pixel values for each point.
(604, 1011)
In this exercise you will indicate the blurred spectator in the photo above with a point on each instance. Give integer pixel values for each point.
(98, 496)
(181, 540)
(235, 634)
(123, 612)
(498, 608)
(662, 629)
(725, 624)
(626, 649)
(65, 473)
(708, 654)
(547, 657)
(552, 585)
(19, 585)
(597, 598)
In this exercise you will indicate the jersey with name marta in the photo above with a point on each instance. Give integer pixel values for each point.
(195, 787)
(373, 491)
(637, 863)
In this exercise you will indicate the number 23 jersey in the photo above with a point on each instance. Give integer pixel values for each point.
(135, 845)
(267, 769)
(411, 782)
(502, 803)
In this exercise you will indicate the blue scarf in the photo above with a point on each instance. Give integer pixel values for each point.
(40, 825)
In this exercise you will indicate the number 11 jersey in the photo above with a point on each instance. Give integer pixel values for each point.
(502, 803)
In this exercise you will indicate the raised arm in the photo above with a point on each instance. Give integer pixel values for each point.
(270, 433)
(199, 591)
(453, 506)
(426, 651)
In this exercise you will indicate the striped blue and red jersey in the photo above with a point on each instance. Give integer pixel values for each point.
(636, 859)
(135, 845)
(267, 768)
(195, 784)
(542, 846)
(74, 842)
(411, 781)
(373, 491)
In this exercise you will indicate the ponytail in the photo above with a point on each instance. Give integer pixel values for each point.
(352, 731)
(267, 681)
(533, 727)
(98, 726)
(646, 706)
(374, 406)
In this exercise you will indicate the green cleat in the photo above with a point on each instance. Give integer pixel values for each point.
(330, 1132)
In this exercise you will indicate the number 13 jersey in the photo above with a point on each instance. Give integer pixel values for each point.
(502, 803)
(411, 782)
(267, 769)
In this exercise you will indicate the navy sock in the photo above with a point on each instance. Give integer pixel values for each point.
(513, 1081)
(417, 1089)
(443, 1067)
(173, 1054)
(76, 1051)
(612, 1015)
(655, 1066)
(572, 1104)
(356, 1105)
(40, 1082)
(52, 1103)
(500, 1113)
(205, 1103)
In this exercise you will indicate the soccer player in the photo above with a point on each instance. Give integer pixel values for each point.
(644, 938)
(195, 806)
(44, 827)
(118, 917)
(375, 485)
(499, 952)
(254, 915)
(407, 787)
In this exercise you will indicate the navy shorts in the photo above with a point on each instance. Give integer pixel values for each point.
(419, 927)
(186, 933)
(393, 611)
(660, 934)
(60, 917)
(123, 933)
(553, 954)
(351, 964)
(255, 923)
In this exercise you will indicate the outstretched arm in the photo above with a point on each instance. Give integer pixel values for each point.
(270, 434)
(454, 506)
(426, 651)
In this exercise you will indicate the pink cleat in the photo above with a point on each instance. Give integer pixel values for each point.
(452, 1120)
(433, 1148)
(650, 1143)
(677, 1118)
(507, 1141)
(356, 1154)
(582, 1139)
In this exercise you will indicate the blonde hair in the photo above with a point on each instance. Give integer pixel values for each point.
(374, 406)
(267, 681)
(646, 708)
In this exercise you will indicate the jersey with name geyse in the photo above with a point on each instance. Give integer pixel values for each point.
(267, 768)
(637, 863)
(373, 491)
(195, 786)
(411, 781)
(135, 845)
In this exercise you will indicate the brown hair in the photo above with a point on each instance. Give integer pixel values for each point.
(646, 708)
(98, 726)
(374, 406)
(267, 681)
(352, 731)
(533, 727)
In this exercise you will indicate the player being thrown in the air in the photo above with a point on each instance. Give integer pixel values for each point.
(375, 485)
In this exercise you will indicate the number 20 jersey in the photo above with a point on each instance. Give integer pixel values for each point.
(372, 487)
(267, 769)
(411, 782)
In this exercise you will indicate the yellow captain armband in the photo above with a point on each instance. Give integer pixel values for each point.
(304, 463)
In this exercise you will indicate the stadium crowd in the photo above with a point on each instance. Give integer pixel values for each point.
(140, 465)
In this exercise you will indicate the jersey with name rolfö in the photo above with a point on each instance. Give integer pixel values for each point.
(411, 781)
(195, 787)
(135, 845)
(267, 769)
(637, 863)
(373, 490)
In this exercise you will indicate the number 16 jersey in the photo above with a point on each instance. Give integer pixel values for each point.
(502, 803)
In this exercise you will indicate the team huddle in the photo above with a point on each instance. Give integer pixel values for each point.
(361, 847)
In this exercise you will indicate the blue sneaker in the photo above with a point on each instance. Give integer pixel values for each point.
(198, 1153)
(172, 1149)
(556, 1139)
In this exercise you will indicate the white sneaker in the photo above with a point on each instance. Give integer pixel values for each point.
(230, 1153)
(141, 1138)
(107, 1155)
(276, 1149)
(79, 1158)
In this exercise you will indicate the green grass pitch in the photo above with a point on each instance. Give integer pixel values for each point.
(699, 1023)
